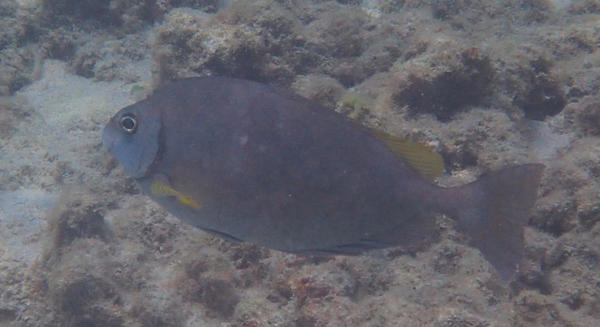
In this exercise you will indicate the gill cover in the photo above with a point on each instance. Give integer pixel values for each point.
(132, 137)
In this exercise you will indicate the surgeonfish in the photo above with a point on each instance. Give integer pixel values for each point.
(249, 163)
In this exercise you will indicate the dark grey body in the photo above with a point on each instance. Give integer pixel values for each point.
(286, 173)
(281, 172)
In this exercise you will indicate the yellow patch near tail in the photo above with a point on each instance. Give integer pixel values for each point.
(161, 188)
(419, 156)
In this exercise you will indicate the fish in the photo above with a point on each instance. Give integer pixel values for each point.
(251, 163)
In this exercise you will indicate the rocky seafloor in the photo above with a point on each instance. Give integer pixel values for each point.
(485, 83)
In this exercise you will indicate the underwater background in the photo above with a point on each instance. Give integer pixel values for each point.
(486, 84)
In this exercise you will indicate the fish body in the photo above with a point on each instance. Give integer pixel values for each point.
(241, 160)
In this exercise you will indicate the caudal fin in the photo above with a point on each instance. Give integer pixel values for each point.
(494, 210)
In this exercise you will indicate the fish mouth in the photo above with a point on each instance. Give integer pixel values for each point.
(108, 138)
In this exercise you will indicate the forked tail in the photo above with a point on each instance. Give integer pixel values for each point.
(493, 210)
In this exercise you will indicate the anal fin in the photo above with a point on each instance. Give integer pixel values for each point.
(348, 249)
(225, 236)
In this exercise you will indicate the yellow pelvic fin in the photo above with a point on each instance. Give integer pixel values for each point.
(419, 156)
(161, 188)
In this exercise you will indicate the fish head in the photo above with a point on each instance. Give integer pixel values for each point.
(132, 137)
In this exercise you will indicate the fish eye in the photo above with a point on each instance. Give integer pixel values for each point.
(128, 123)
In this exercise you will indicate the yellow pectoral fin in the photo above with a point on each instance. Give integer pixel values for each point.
(419, 156)
(186, 200)
(161, 188)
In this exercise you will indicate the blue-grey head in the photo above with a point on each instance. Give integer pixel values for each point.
(131, 137)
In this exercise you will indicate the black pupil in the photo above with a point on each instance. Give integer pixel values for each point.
(128, 123)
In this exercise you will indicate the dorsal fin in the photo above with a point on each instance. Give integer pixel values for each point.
(419, 156)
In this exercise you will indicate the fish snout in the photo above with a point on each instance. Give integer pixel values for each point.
(109, 137)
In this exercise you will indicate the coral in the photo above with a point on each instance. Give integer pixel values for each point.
(157, 233)
(319, 88)
(464, 14)
(76, 297)
(17, 69)
(80, 290)
(128, 15)
(377, 57)
(544, 95)
(449, 83)
(447, 260)
(75, 216)
(7, 314)
(111, 59)
(338, 33)
(87, 9)
(459, 156)
(451, 318)
(12, 112)
(190, 43)
(264, 42)
(589, 215)
(534, 310)
(217, 295)
(60, 44)
(569, 202)
(588, 115)
(555, 217)
(16, 26)
(209, 282)
(353, 53)
(584, 7)
(120, 15)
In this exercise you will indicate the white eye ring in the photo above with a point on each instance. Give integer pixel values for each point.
(128, 123)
